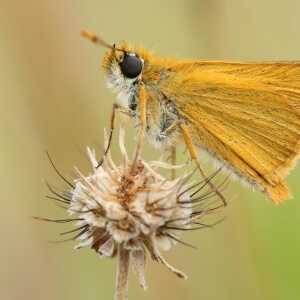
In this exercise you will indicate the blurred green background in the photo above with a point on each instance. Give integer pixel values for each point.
(53, 97)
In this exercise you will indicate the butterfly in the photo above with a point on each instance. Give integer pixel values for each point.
(244, 115)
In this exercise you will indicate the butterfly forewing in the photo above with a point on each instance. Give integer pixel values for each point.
(247, 115)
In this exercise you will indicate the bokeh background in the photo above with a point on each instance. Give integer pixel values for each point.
(53, 97)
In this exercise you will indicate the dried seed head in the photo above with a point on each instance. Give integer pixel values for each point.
(129, 208)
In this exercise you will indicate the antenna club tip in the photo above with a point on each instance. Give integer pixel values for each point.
(89, 35)
(95, 39)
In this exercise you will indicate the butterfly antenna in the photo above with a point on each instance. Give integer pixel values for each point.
(97, 40)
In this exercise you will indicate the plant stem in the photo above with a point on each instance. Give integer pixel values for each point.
(122, 273)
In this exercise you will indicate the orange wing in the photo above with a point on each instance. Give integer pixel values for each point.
(247, 115)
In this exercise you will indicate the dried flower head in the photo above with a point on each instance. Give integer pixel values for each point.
(127, 209)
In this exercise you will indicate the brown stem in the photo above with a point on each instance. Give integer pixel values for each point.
(122, 273)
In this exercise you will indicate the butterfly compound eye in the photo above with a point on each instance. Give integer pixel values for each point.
(131, 66)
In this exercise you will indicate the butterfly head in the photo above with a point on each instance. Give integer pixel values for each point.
(122, 67)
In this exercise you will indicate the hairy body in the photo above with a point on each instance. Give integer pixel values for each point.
(244, 115)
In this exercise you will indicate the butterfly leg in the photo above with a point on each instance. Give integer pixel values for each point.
(142, 112)
(116, 107)
(173, 149)
(194, 155)
(173, 161)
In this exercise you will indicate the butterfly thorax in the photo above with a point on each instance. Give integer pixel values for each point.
(126, 72)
